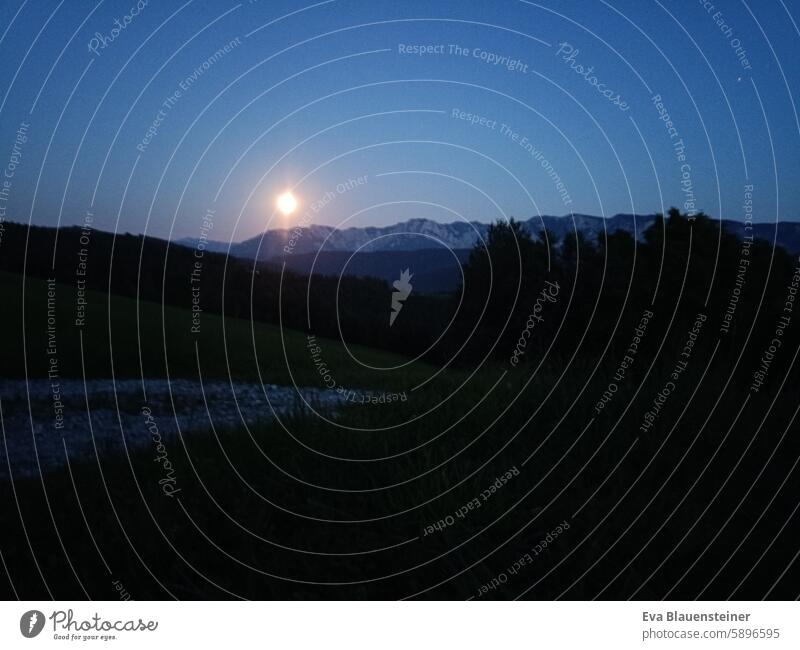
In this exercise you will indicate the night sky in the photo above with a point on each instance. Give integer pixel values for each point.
(394, 110)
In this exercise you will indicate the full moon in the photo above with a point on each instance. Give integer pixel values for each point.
(287, 203)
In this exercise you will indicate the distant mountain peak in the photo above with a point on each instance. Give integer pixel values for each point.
(419, 233)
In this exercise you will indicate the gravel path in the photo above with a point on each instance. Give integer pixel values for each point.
(58, 415)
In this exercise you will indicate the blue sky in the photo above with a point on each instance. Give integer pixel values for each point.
(311, 95)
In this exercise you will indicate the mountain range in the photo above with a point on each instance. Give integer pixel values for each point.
(432, 250)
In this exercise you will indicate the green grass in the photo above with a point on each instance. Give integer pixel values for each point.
(228, 477)
(240, 518)
(167, 345)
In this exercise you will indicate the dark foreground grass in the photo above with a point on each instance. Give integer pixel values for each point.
(285, 511)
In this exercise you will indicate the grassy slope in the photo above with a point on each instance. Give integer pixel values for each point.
(234, 348)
